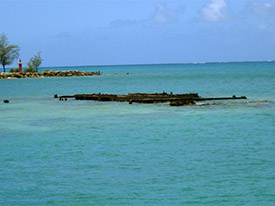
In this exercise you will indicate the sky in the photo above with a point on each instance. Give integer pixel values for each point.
(114, 32)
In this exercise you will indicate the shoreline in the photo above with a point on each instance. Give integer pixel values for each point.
(22, 75)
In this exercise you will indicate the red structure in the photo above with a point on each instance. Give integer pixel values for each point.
(20, 65)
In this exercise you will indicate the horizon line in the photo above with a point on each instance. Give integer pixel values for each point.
(144, 64)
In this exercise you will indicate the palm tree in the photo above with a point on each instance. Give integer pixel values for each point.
(8, 53)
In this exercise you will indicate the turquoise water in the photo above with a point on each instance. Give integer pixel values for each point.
(110, 153)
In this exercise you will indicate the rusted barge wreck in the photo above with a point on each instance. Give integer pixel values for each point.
(174, 99)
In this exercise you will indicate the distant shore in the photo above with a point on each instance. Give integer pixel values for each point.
(19, 75)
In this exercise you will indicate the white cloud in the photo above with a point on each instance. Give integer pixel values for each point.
(267, 28)
(214, 10)
(262, 9)
(163, 15)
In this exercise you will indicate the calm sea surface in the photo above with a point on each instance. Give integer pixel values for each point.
(111, 153)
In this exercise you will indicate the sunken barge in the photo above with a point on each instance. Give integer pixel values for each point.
(174, 99)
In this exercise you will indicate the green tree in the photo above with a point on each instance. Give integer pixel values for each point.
(35, 62)
(8, 53)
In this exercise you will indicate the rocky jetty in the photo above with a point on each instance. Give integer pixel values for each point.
(174, 99)
(17, 75)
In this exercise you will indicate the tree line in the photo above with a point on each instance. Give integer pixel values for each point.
(10, 52)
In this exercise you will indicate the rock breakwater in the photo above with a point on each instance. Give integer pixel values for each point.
(18, 75)
(174, 99)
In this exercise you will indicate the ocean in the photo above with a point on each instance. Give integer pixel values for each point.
(113, 153)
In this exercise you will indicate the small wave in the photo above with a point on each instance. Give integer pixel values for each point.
(249, 103)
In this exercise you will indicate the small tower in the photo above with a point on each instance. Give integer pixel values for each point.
(20, 65)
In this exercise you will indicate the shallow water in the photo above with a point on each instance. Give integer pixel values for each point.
(110, 153)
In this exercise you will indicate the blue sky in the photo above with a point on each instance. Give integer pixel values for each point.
(93, 32)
